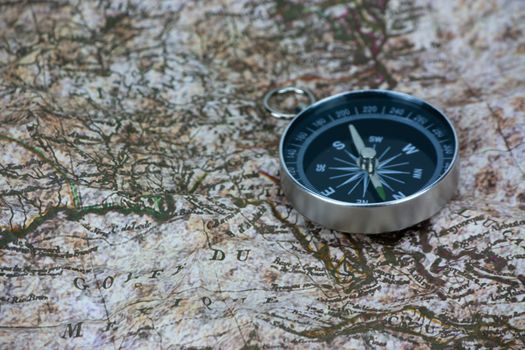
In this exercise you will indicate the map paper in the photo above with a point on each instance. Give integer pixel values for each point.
(140, 204)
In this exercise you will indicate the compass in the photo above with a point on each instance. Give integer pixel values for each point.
(368, 161)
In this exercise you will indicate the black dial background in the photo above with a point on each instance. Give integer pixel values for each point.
(395, 135)
(400, 119)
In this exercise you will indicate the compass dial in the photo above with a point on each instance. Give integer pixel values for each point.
(369, 147)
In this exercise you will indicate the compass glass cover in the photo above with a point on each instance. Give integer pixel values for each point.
(368, 147)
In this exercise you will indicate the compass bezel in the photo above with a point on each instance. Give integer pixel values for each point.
(375, 217)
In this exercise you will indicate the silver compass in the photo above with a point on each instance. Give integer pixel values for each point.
(369, 161)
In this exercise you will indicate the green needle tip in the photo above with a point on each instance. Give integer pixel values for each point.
(381, 192)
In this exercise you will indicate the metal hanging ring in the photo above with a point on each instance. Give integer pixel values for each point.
(279, 91)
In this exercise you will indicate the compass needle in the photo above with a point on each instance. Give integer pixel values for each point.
(384, 183)
(356, 138)
(376, 182)
(365, 185)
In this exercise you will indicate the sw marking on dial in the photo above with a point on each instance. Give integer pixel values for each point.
(369, 151)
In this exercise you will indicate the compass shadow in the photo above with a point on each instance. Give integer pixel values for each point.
(393, 238)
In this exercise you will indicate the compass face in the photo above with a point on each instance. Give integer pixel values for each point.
(368, 147)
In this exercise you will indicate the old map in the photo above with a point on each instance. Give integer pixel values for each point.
(139, 200)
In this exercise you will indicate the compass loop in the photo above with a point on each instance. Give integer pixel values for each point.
(276, 113)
